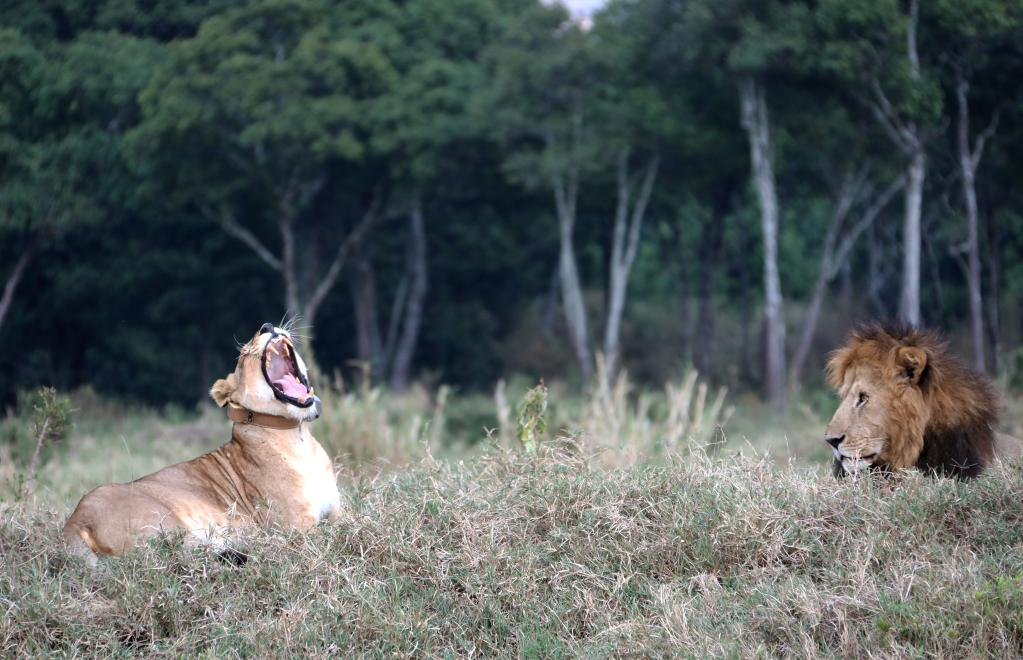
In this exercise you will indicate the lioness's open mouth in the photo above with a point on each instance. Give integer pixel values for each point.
(283, 374)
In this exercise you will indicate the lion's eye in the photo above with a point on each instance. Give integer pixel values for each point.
(861, 399)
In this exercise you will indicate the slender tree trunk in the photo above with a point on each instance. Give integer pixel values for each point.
(289, 272)
(413, 315)
(909, 302)
(755, 121)
(364, 297)
(994, 297)
(628, 224)
(875, 277)
(565, 198)
(675, 251)
(969, 161)
(704, 345)
(13, 279)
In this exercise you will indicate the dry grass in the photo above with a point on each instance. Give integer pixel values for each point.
(677, 548)
(551, 555)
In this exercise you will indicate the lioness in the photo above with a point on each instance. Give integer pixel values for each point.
(907, 401)
(271, 467)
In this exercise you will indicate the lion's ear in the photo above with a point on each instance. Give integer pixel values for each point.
(911, 361)
(223, 389)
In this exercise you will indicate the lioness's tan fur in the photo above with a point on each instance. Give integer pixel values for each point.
(261, 473)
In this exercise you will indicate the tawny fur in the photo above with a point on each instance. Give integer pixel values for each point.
(932, 411)
(262, 474)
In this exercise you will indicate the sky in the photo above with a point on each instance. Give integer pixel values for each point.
(583, 8)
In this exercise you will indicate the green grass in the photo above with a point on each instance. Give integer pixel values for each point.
(496, 552)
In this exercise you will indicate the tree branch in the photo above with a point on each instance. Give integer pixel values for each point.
(231, 226)
(981, 140)
(639, 210)
(868, 218)
(369, 218)
(885, 114)
(14, 278)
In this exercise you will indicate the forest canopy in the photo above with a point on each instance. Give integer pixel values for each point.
(459, 190)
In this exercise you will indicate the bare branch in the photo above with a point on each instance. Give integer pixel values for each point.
(621, 207)
(369, 218)
(849, 240)
(884, 112)
(639, 210)
(981, 140)
(227, 222)
(14, 278)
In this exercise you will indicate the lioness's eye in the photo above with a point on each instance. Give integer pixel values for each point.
(862, 399)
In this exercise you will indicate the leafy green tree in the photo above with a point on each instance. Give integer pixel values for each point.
(258, 116)
(62, 110)
(875, 45)
(543, 106)
(757, 43)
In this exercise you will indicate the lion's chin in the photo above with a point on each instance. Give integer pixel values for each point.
(854, 467)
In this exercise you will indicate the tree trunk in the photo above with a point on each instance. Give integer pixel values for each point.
(628, 224)
(994, 297)
(969, 161)
(413, 314)
(704, 345)
(565, 198)
(909, 302)
(364, 298)
(13, 279)
(755, 121)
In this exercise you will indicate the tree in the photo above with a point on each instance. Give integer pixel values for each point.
(421, 126)
(977, 38)
(636, 120)
(270, 106)
(61, 113)
(543, 106)
(756, 42)
(875, 46)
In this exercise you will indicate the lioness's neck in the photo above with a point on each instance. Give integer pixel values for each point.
(251, 434)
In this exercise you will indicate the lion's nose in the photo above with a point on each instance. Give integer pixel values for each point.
(265, 328)
(834, 440)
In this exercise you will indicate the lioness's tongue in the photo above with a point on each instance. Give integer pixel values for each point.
(291, 387)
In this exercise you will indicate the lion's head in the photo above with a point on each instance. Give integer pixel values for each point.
(906, 401)
(270, 378)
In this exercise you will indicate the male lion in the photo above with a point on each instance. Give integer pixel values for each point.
(272, 469)
(907, 401)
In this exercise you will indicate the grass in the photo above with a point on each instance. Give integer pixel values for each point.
(692, 552)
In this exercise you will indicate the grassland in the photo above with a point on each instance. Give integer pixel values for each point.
(711, 548)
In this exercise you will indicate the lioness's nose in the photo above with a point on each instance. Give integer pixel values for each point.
(834, 440)
(265, 328)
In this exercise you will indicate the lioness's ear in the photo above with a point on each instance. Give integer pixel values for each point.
(223, 389)
(911, 361)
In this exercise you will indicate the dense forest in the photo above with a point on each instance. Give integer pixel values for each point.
(458, 190)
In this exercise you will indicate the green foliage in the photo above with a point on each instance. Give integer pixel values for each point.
(130, 130)
(50, 414)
